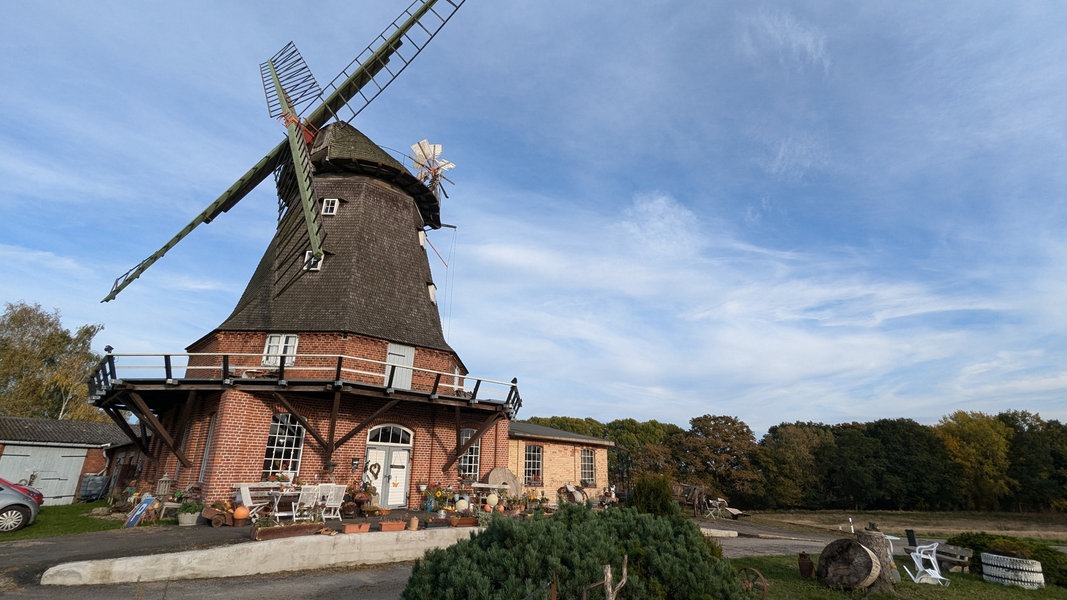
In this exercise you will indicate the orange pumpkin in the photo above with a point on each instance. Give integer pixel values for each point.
(241, 512)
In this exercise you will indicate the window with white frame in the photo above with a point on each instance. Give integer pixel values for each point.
(279, 345)
(311, 263)
(533, 465)
(329, 206)
(588, 468)
(470, 462)
(285, 446)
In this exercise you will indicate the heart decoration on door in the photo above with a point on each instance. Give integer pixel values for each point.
(374, 470)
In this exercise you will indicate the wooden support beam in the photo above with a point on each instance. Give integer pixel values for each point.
(474, 439)
(117, 417)
(388, 406)
(334, 411)
(147, 418)
(300, 419)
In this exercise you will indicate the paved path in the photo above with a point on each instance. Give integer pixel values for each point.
(23, 562)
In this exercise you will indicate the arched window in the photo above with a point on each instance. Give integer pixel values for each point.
(469, 463)
(389, 434)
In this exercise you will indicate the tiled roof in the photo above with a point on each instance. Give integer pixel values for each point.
(529, 430)
(52, 431)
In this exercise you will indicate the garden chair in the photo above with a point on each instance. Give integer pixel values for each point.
(715, 509)
(306, 503)
(245, 498)
(333, 497)
(926, 568)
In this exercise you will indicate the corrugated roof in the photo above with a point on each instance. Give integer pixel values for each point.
(52, 431)
(529, 430)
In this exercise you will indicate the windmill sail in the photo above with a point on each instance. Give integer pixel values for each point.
(355, 87)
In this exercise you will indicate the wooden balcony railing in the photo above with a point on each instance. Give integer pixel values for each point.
(115, 370)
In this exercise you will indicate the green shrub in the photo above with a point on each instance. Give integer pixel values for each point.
(1053, 562)
(652, 494)
(516, 559)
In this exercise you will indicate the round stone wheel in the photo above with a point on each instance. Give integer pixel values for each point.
(504, 476)
(1007, 570)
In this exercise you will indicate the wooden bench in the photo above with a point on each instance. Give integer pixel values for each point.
(949, 558)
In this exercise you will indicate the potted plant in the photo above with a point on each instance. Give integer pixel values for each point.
(189, 512)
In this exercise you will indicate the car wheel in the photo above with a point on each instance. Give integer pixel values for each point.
(13, 518)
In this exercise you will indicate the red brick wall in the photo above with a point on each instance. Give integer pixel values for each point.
(245, 350)
(243, 425)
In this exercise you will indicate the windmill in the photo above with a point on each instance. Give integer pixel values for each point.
(430, 167)
(291, 91)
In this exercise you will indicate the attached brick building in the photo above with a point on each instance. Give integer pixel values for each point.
(548, 459)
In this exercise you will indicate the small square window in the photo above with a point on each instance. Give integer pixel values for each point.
(311, 263)
(329, 206)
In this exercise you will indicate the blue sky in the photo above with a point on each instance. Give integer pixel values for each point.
(776, 211)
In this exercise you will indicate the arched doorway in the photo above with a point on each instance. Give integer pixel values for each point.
(389, 463)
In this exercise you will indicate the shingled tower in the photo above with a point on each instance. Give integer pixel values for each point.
(374, 279)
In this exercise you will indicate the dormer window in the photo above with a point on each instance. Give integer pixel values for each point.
(422, 238)
(311, 263)
(329, 206)
(432, 289)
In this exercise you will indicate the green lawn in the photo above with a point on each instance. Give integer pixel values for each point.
(786, 584)
(64, 520)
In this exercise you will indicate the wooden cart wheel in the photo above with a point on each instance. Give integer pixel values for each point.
(218, 520)
(753, 581)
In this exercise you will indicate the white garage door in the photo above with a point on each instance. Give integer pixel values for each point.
(54, 471)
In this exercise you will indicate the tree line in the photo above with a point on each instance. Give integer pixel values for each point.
(1012, 461)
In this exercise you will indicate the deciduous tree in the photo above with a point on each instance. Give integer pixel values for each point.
(786, 462)
(43, 366)
(979, 444)
(717, 451)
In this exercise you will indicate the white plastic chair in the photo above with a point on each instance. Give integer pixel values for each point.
(926, 567)
(334, 497)
(306, 503)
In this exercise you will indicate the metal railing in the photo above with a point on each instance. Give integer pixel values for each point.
(238, 368)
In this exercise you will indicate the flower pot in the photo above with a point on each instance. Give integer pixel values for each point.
(355, 527)
(284, 531)
(187, 519)
(462, 521)
(392, 525)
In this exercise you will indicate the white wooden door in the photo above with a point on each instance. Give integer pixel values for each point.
(375, 470)
(54, 471)
(404, 357)
(398, 477)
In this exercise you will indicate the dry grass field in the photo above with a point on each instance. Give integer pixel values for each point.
(1048, 527)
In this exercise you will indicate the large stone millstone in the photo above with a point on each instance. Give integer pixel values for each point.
(846, 564)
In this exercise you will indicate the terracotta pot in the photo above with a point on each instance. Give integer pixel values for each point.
(355, 527)
(462, 521)
(392, 525)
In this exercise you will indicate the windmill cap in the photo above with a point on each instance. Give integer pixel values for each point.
(340, 147)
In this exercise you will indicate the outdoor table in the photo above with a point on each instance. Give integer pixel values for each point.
(277, 496)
